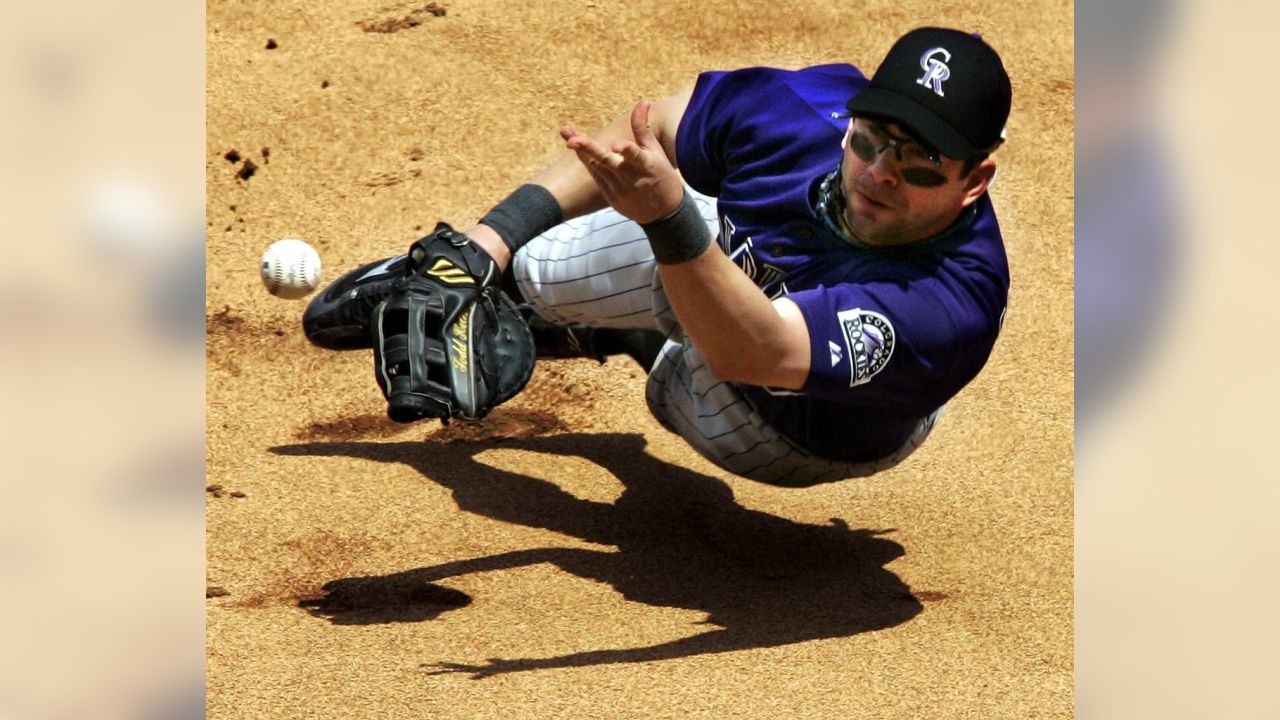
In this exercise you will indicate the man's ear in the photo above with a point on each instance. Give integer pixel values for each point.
(978, 181)
(844, 141)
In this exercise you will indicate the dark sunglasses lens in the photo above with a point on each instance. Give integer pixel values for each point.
(923, 177)
(862, 147)
(918, 176)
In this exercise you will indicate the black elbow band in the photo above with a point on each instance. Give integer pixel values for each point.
(680, 236)
(526, 213)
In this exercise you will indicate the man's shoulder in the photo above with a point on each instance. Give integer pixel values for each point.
(786, 102)
(840, 70)
(839, 73)
(835, 70)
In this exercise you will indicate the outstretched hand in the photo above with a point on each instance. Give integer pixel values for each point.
(635, 176)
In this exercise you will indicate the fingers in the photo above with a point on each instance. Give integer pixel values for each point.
(636, 156)
(594, 159)
(640, 126)
(623, 152)
(591, 152)
(631, 154)
(600, 156)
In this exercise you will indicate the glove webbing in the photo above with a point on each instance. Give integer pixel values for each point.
(414, 367)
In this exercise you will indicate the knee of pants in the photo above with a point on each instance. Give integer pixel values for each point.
(590, 280)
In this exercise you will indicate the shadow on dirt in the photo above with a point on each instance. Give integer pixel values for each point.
(682, 542)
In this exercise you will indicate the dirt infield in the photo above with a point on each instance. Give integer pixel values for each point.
(568, 558)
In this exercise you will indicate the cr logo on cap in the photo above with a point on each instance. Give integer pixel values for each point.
(935, 70)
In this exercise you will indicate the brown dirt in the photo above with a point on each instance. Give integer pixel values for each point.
(569, 552)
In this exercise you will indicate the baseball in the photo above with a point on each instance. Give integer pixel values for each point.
(290, 269)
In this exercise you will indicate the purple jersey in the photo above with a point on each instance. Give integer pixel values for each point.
(894, 332)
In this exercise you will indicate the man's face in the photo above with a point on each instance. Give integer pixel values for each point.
(896, 192)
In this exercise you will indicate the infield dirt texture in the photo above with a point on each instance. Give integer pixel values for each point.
(568, 558)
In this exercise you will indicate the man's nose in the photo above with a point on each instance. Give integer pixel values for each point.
(882, 170)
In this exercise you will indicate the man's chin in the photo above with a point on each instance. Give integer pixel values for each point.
(874, 233)
(864, 226)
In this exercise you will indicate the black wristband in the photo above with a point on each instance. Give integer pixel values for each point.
(680, 236)
(526, 213)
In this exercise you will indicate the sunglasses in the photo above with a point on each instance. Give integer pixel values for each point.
(868, 143)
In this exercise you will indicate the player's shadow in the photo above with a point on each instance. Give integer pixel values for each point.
(681, 540)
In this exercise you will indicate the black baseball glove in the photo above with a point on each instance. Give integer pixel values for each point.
(447, 342)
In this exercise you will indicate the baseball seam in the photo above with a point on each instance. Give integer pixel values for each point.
(287, 273)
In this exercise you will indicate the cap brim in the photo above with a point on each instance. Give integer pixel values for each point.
(899, 108)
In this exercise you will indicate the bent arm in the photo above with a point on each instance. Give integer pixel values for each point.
(742, 335)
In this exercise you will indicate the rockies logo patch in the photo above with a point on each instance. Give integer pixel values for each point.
(869, 338)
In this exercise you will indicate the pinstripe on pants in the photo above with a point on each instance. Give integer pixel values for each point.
(598, 270)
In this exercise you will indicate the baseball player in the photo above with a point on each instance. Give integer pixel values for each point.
(822, 273)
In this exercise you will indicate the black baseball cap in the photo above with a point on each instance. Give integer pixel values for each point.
(947, 87)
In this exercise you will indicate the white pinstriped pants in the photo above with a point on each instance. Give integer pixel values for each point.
(598, 270)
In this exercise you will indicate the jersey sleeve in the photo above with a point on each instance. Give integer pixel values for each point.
(884, 342)
(717, 118)
(701, 133)
(746, 122)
